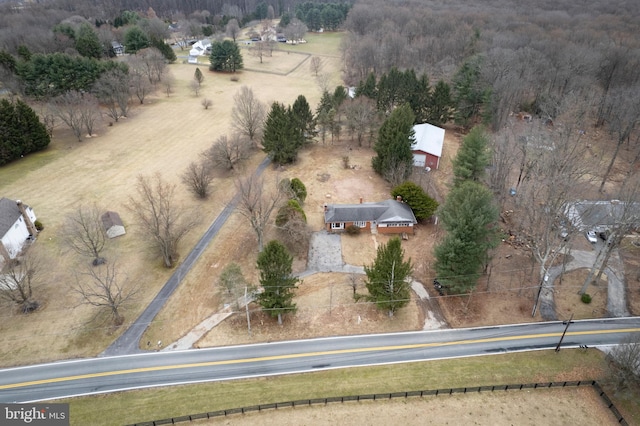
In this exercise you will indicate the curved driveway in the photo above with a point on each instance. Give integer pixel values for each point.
(128, 342)
(110, 374)
(616, 298)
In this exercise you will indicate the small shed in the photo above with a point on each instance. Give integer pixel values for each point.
(427, 148)
(113, 225)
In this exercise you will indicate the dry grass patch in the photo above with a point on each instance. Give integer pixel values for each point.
(568, 300)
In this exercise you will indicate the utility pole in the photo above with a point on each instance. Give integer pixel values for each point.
(246, 306)
(564, 332)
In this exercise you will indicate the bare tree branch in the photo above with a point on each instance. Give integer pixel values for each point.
(164, 222)
(198, 178)
(256, 204)
(20, 277)
(248, 114)
(84, 233)
(227, 152)
(99, 287)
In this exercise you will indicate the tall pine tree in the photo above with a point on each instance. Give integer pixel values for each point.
(472, 158)
(21, 131)
(469, 215)
(387, 277)
(281, 138)
(274, 263)
(393, 147)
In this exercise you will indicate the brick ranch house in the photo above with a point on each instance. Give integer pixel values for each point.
(427, 145)
(16, 227)
(384, 217)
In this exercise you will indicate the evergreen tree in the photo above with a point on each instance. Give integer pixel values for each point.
(135, 39)
(21, 130)
(472, 158)
(225, 56)
(422, 205)
(393, 147)
(469, 215)
(303, 118)
(440, 109)
(165, 49)
(299, 190)
(470, 92)
(325, 114)
(275, 263)
(387, 277)
(368, 87)
(281, 138)
(87, 42)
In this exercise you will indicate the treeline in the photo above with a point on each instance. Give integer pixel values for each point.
(328, 16)
(507, 55)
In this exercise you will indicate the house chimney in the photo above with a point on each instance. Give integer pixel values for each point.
(325, 208)
(27, 220)
(360, 200)
(398, 198)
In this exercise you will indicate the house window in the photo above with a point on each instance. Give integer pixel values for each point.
(397, 225)
(337, 225)
(360, 224)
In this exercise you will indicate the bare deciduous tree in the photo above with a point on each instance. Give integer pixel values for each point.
(257, 204)
(198, 178)
(233, 29)
(101, 288)
(315, 65)
(140, 85)
(232, 285)
(20, 277)
(560, 171)
(227, 152)
(161, 220)
(195, 87)
(627, 217)
(90, 113)
(167, 83)
(248, 114)
(295, 233)
(68, 108)
(624, 362)
(622, 116)
(84, 233)
(362, 117)
(206, 103)
(113, 90)
(151, 63)
(504, 153)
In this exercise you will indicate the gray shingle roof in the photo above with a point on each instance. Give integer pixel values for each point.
(9, 213)
(387, 211)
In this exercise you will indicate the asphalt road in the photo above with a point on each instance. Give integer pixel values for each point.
(128, 342)
(110, 374)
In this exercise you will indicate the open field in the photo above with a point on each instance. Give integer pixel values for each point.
(164, 135)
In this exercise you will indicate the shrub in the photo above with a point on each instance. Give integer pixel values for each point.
(423, 205)
(353, 230)
(39, 226)
(586, 298)
(299, 190)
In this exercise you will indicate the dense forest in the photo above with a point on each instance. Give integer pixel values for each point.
(518, 55)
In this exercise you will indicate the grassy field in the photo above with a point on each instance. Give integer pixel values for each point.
(155, 404)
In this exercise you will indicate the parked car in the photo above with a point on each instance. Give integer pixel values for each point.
(591, 236)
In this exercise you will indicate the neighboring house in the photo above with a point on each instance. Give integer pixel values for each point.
(199, 48)
(118, 49)
(17, 226)
(113, 225)
(385, 217)
(427, 148)
(602, 216)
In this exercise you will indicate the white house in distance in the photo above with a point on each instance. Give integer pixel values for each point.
(199, 48)
(427, 148)
(16, 227)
